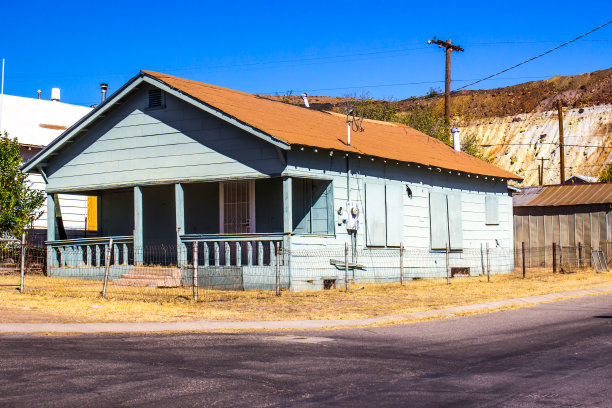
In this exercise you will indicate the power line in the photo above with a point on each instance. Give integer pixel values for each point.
(533, 58)
(543, 143)
(398, 84)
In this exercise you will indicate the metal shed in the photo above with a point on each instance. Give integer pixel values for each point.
(571, 216)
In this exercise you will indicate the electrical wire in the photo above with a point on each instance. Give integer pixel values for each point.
(533, 58)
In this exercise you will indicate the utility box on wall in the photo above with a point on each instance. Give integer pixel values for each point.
(353, 215)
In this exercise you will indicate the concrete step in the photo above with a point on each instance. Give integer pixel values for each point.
(156, 271)
(155, 283)
(148, 277)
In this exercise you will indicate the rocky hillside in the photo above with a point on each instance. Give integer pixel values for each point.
(518, 143)
(518, 125)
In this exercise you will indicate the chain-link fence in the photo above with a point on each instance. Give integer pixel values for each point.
(207, 270)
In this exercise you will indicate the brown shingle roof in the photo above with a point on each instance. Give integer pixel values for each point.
(568, 194)
(296, 125)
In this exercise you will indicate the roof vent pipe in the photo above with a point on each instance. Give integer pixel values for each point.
(456, 139)
(305, 98)
(55, 94)
(348, 127)
(39, 92)
(103, 89)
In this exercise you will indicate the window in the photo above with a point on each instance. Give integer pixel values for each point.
(491, 210)
(445, 221)
(156, 98)
(313, 208)
(384, 214)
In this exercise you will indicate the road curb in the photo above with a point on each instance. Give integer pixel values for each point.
(143, 327)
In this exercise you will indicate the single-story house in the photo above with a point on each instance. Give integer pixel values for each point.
(35, 123)
(175, 161)
(569, 215)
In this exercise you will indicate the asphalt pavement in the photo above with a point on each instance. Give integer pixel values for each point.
(550, 355)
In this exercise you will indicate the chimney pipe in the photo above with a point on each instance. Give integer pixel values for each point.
(39, 92)
(305, 98)
(456, 139)
(103, 89)
(55, 94)
(348, 127)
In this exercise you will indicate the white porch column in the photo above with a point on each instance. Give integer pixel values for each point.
(138, 236)
(287, 205)
(51, 254)
(179, 205)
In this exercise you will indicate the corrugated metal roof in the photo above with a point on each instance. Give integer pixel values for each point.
(569, 194)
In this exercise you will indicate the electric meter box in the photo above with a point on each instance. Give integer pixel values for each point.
(353, 210)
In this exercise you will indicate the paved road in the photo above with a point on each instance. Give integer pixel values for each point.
(550, 355)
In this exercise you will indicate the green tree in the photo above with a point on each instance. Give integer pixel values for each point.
(606, 175)
(19, 203)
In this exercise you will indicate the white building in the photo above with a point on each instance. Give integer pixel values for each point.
(35, 123)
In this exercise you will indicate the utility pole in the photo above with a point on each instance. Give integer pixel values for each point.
(449, 47)
(561, 147)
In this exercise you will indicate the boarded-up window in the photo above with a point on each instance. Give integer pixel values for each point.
(312, 206)
(491, 210)
(384, 214)
(445, 220)
(375, 214)
(394, 197)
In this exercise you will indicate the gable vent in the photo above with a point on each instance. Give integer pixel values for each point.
(155, 98)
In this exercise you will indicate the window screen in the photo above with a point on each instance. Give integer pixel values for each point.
(312, 206)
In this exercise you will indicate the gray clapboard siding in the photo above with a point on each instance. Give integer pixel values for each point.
(137, 146)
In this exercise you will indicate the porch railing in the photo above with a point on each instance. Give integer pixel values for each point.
(89, 251)
(232, 249)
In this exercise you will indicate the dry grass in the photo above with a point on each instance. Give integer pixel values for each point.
(72, 300)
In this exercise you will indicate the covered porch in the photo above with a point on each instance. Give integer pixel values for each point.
(236, 231)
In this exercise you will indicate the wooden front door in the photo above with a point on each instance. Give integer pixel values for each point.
(237, 207)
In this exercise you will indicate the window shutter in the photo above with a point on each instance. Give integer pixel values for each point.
(492, 210)
(375, 214)
(438, 220)
(455, 221)
(395, 213)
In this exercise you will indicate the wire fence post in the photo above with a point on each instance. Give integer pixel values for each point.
(579, 255)
(482, 263)
(23, 254)
(277, 269)
(195, 271)
(523, 253)
(346, 275)
(554, 249)
(401, 250)
(107, 265)
(447, 270)
(488, 265)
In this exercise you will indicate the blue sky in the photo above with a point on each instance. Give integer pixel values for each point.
(324, 48)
